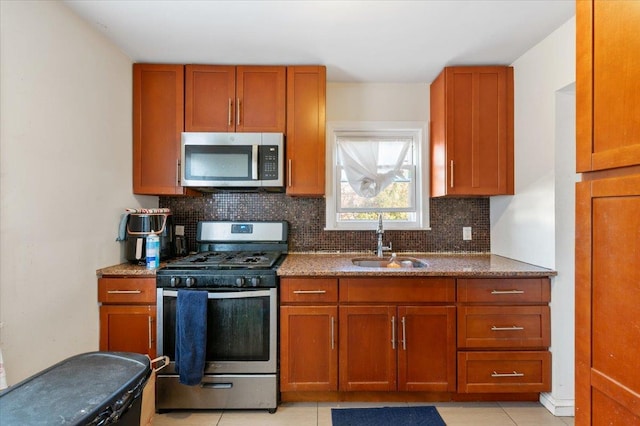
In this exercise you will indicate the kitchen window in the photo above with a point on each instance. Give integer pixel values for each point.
(376, 167)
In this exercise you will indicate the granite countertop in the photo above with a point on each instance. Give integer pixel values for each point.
(127, 269)
(438, 264)
(339, 264)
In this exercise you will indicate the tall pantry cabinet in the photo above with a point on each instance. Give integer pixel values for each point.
(607, 212)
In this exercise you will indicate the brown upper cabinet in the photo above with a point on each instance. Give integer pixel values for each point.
(306, 97)
(158, 116)
(235, 98)
(608, 85)
(472, 131)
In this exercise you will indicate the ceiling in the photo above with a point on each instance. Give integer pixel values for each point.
(358, 41)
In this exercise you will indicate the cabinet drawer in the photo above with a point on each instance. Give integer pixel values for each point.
(308, 290)
(504, 327)
(397, 290)
(528, 371)
(127, 290)
(504, 290)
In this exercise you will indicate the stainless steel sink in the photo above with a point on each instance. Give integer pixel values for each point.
(376, 262)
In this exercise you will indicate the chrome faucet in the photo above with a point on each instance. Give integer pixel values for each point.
(379, 233)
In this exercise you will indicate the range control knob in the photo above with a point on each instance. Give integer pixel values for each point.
(190, 281)
(255, 281)
(175, 281)
(239, 281)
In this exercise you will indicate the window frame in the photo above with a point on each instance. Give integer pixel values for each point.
(418, 130)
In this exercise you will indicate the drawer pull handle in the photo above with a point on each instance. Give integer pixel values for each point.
(514, 374)
(507, 292)
(512, 328)
(124, 292)
(309, 291)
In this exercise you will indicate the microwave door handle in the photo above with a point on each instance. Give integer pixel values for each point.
(254, 162)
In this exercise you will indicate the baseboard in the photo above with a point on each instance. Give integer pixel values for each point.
(558, 407)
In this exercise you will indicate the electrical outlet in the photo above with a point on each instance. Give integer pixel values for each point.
(466, 233)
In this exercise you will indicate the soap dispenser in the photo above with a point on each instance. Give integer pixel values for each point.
(393, 262)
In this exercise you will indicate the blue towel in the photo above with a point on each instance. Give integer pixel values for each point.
(191, 335)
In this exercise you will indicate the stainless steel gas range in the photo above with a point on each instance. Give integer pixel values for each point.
(236, 266)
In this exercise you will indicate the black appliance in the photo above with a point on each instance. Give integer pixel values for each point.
(236, 265)
(95, 388)
(140, 226)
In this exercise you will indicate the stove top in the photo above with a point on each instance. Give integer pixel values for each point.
(230, 255)
(228, 260)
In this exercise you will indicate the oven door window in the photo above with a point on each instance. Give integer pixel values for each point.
(237, 328)
(219, 162)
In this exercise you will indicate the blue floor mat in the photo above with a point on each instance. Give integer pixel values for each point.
(385, 416)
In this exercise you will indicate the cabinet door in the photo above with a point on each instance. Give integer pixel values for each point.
(158, 115)
(368, 342)
(607, 295)
(608, 84)
(308, 348)
(260, 99)
(427, 348)
(472, 131)
(210, 98)
(306, 99)
(128, 329)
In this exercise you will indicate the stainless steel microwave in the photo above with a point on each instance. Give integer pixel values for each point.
(247, 160)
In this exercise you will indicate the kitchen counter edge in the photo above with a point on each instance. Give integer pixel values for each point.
(127, 270)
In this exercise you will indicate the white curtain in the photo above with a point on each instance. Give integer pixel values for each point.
(371, 165)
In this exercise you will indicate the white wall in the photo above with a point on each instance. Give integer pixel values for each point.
(533, 226)
(377, 102)
(65, 163)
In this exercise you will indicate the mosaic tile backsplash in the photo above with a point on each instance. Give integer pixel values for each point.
(306, 218)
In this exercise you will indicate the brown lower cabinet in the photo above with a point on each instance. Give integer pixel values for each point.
(438, 337)
(308, 334)
(400, 340)
(313, 365)
(502, 371)
(128, 314)
(397, 347)
(504, 333)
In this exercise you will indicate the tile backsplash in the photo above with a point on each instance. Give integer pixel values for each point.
(306, 218)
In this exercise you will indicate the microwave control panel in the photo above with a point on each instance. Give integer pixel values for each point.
(269, 162)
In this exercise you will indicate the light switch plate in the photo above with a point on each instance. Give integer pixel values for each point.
(466, 233)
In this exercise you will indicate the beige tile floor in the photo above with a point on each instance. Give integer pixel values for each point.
(319, 414)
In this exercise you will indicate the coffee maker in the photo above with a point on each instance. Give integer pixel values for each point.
(141, 225)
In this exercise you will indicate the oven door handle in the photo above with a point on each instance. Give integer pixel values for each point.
(216, 385)
(225, 295)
